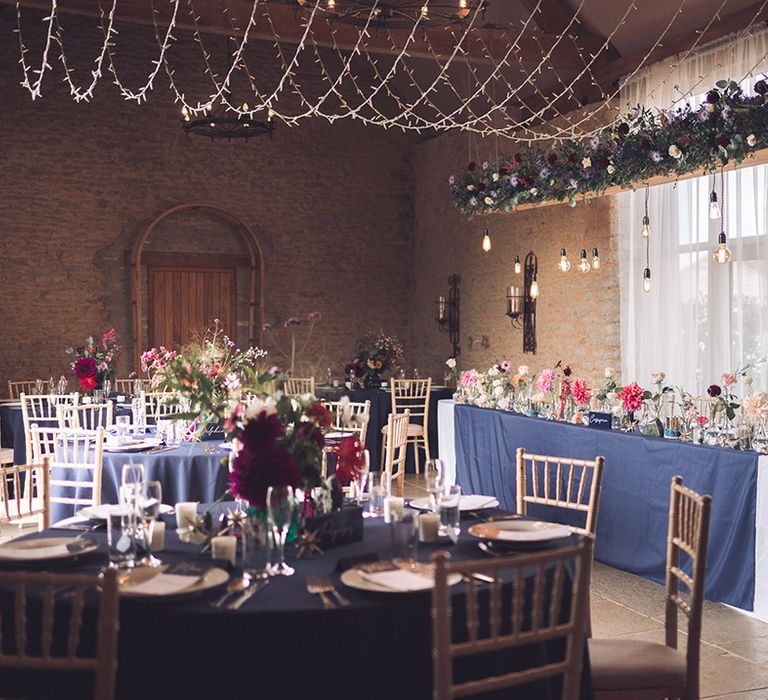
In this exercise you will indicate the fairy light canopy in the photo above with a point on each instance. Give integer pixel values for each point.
(519, 70)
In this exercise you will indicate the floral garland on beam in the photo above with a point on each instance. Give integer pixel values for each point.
(727, 127)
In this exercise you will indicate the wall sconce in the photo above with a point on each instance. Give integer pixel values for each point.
(531, 294)
(447, 316)
(515, 304)
(482, 341)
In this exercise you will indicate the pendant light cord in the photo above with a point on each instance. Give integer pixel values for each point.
(648, 238)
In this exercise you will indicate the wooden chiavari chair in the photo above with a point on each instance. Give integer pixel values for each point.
(639, 670)
(33, 647)
(299, 386)
(412, 395)
(127, 386)
(75, 460)
(349, 418)
(534, 619)
(42, 409)
(26, 386)
(25, 493)
(161, 404)
(396, 449)
(87, 417)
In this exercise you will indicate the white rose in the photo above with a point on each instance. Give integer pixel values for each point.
(611, 396)
(710, 108)
(611, 169)
(747, 381)
(471, 188)
(675, 152)
(488, 201)
(493, 371)
(495, 177)
(498, 391)
(586, 162)
(534, 190)
(609, 372)
(658, 377)
(451, 362)
(751, 140)
(523, 370)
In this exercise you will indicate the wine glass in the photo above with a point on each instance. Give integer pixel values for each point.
(434, 477)
(150, 512)
(280, 506)
(133, 478)
(362, 478)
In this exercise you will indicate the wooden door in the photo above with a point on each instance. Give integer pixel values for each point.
(184, 300)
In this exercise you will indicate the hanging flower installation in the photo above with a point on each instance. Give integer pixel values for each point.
(725, 128)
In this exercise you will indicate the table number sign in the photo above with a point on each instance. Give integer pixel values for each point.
(600, 420)
(338, 527)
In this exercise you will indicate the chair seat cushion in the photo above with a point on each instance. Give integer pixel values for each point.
(413, 429)
(626, 664)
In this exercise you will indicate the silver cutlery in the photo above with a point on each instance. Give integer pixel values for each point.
(233, 587)
(482, 578)
(327, 587)
(253, 589)
(316, 588)
(488, 550)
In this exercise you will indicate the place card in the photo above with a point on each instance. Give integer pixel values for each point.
(600, 420)
(224, 547)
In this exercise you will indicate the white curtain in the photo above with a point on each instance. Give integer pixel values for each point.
(700, 319)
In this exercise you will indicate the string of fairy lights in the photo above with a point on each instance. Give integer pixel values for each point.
(504, 100)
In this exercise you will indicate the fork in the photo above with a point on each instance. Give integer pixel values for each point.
(316, 587)
(327, 586)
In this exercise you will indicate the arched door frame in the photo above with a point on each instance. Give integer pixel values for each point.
(256, 280)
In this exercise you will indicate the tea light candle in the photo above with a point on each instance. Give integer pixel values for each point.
(224, 547)
(429, 525)
(158, 536)
(186, 514)
(393, 508)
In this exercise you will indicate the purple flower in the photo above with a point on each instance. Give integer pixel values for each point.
(292, 321)
(656, 157)
(266, 326)
(726, 112)
(594, 143)
(574, 182)
(544, 173)
(513, 180)
(451, 180)
(314, 316)
(473, 201)
(703, 115)
(485, 165)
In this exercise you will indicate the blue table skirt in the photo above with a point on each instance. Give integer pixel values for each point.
(633, 515)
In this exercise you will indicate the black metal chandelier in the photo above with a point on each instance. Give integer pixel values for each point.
(223, 123)
(396, 14)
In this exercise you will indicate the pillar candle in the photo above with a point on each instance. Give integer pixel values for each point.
(224, 547)
(393, 508)
(429, 524)
(158, 537)
(186, 514)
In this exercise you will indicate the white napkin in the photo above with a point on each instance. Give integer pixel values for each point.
(476, 501)
(398, 580)
(32, 553)
(164, 584)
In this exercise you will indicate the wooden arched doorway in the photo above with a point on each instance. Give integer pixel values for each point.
(255, 302)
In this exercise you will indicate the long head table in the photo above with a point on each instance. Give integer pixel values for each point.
(633, 516)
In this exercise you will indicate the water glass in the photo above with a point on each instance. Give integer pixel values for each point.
(121, 540)
(256, 548)
(380, 488)
(281, 503)
(150, 512)
(434, 478)
(133, 478)
(450, 516)
(359, 484)
(139, 415)
(404, 540)
(123, 425)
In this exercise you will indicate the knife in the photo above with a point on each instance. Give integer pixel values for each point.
(252, 590)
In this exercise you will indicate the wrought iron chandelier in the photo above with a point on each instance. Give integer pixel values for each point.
(218, 123)
(397, 14)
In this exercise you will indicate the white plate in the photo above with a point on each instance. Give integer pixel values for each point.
(43, 549)
(226, 446)
(136, 446)
(212, 578)
(353, 579)
(520, 531)
(468, 503)
(101, 512)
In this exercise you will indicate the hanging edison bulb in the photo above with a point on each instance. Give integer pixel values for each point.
(595, 259)
(721, 254)
(584, 265)
(534, 292)
(564, 265)
(517, 265)
(714, 207)
(424, 11)
(185, 113)
(646, 230)
(647, 280)
(486, 241)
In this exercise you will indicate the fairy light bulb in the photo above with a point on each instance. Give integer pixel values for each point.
(486, 241)
(714, 207)
(564, 265)
(424, 11)
(647, 280)
(721, 254)
(534, 291)
(645, 232)
(185, 113)
(245, 107)
(584, 265)
(331, 4)
(595, 259)
(209, 107)
(517, 265)
(462, 4)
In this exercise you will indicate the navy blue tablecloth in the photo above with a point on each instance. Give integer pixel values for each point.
(12, 432)
(633, 514)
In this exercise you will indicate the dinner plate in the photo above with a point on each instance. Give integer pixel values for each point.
(354, 579)
(135, 446)
(226, 446)
(211, 578)
(468, 503)
(101, 512)
(45, 549)
(522, 531)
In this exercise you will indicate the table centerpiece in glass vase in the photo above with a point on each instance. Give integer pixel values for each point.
(94, 363)
(378, 353)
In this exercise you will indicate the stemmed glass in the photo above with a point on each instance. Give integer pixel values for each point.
(131, 493)
(280, 506)
(434, 476)
(362, 478)
(150, 512)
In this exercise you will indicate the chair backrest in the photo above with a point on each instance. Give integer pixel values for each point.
(395, 450)
(688, 535)
(161, 404)
(26, 386)
(42, 409)
(703, 405)
(25, 492)
(34, 644)
(126, 386)
(299, 386)
(518, 613)
(75, 461)
(350, 416)
(86, 417)
(562, 482)
(411, 395)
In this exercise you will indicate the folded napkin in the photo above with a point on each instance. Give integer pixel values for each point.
(398, 580)
(12, 553)
(164, 584)
(475, 502)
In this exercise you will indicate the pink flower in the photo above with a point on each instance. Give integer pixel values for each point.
(314, 316)
(505, 365)
(266, 326)
(581, 392)
(728, 379)
(469, 378)
(546, 380)
(632, 397)
(702, 420)
(293, 321)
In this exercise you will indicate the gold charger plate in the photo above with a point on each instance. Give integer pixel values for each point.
(211, 578)
(44, 549)
(520, 531)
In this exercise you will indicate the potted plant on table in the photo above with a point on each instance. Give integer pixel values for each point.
(94, 361)
(377, 353)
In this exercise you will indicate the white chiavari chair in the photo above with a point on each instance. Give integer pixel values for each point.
(86, 417)
(396, 449)
(26, 386)
(642, 670)
(349, 418)
(42, 409)
(535, 619)
(25, 493)
(31, 645)
(412, 395)
(299, 386)
(75, 460)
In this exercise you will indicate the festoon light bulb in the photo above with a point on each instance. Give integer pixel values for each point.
(517, 265)
(646, 230)
(721, 254)
(595, 258)
(647, 280)
(534, 292)
(564, 264)
(486, 241)
(584, 265)
(714, 207)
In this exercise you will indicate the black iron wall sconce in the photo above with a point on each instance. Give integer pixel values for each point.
(530, 295)
(448, 314)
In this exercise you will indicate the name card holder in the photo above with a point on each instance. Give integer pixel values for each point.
(600, 420)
